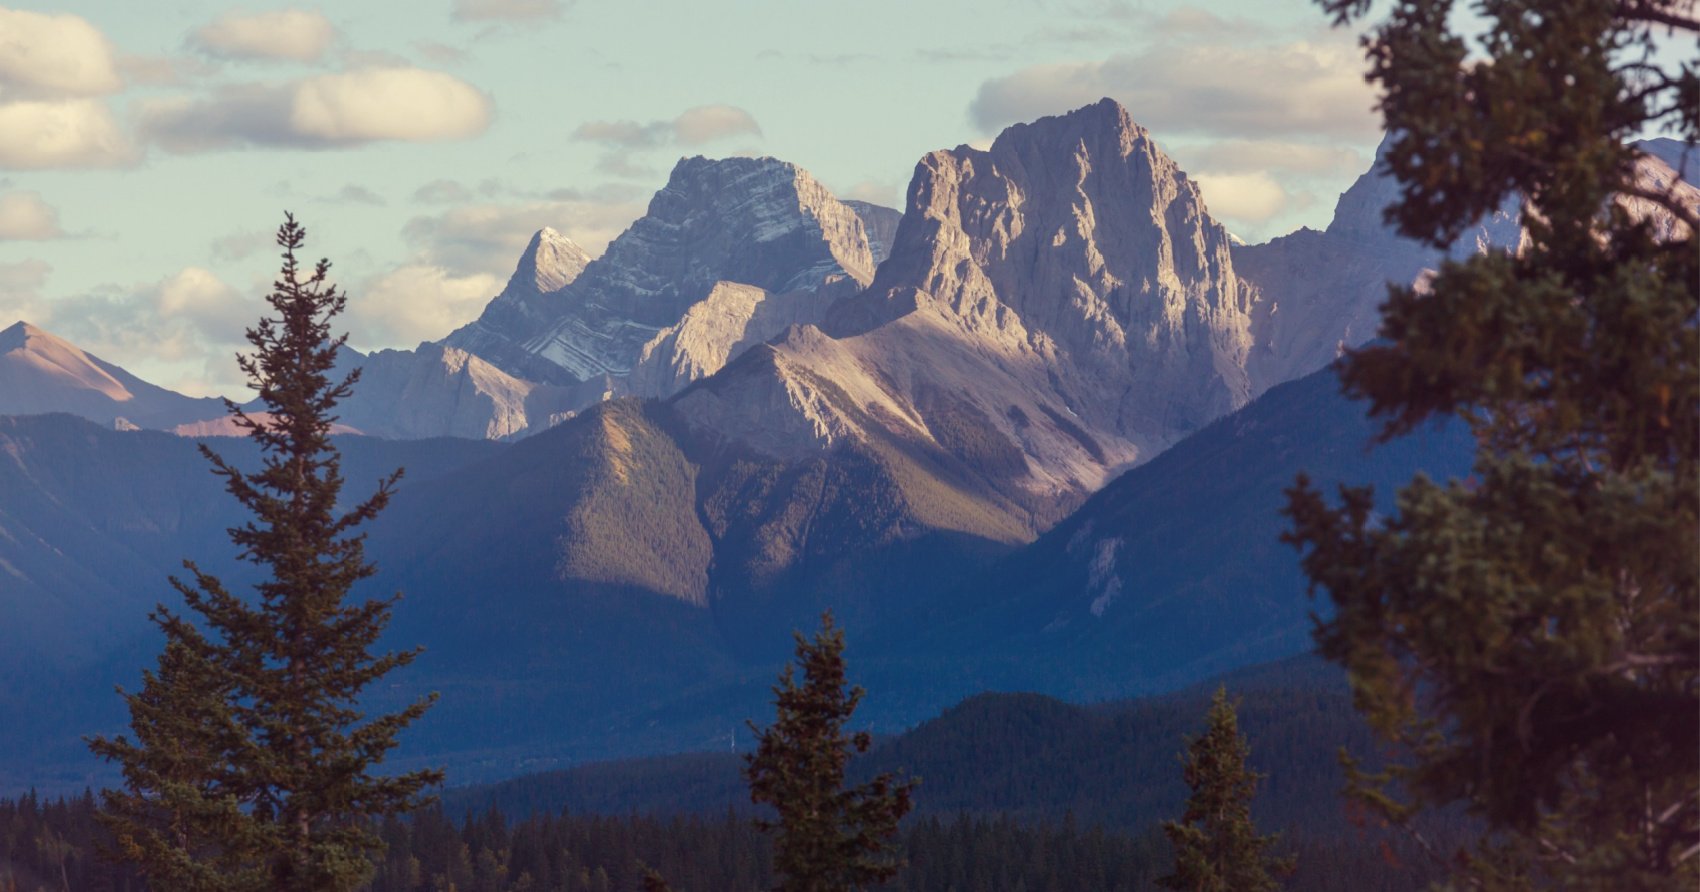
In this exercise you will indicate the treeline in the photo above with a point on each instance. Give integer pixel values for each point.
(1027, 756)
(52, 846)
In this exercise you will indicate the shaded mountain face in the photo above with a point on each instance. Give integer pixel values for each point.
(755, 222)
(1315, 294)
(92, 522)
(438, 391)
(41, 373)
(622, 583)
(881, 225)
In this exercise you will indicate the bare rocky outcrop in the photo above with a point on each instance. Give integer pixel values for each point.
(438, 391)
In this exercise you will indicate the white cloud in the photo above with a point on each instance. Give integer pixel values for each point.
(285, 34)
(1249, 198)
(693, 127)
(24, 216)
(1230, 90)
(53, 56)
(707, 123)
(180, 331)
(20, 292)
(66, 133)
(416, 302)
(388, 103)
(506, 10)
(325, 111)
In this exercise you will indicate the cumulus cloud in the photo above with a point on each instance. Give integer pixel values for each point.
(45, 56)
(179, 331)
(506, 10)
(1252, 198)
(20, 292)
(297, 35)
(1227, 90)
(417, 302)
(25, 217)
(35, 135)
(694, 127)
(324, 111)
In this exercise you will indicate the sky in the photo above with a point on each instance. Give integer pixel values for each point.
(149, 150)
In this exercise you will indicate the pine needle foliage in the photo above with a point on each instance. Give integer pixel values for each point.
(1217, 847)
(252, 764)
(1530, 637)
(827, 838)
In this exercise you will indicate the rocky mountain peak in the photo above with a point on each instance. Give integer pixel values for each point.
(1075, 241)
(550, 261)
(763, 225)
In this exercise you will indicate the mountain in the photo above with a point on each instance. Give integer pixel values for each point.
(531, 301)
(752, 223)
(1317, 293)
(1682, 157)
(438, 391)
(880, 223)
(41, 373)
(1054, 309)
(92, 522)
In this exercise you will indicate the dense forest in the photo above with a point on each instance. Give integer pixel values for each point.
(54, 846)
(1019, 792)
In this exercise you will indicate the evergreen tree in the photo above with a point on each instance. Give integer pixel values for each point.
(1531, 636)
(252, 763)
(828, 838)
(1216, 845)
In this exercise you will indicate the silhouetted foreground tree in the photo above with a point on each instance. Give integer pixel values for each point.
(1529, 636)
(252, 764)
(1217, 848)
(828, 838)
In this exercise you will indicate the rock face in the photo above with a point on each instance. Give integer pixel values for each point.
(41, 373)
(438, 391)
(531, 301)
(752, 222)
(881, 225)
(1056, 307)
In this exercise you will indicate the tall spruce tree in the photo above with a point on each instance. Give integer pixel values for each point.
(253, 764)
(1530, 637)
(1217, 847)
(827, 838)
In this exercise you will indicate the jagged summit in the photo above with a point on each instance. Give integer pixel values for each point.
(1055, 307)
(549, 263)
(758, 223)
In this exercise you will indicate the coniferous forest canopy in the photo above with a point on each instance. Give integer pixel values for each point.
(1041, 535)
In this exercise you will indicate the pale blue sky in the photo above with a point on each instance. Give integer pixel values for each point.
(422, 142)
